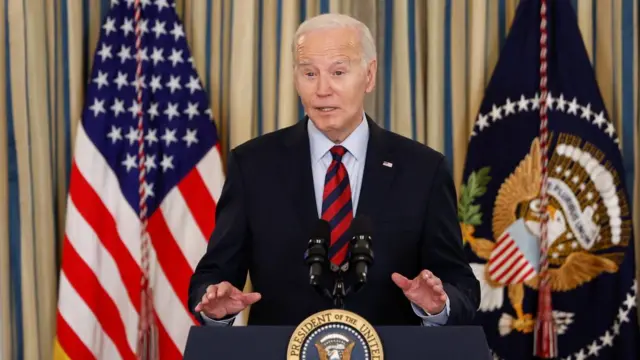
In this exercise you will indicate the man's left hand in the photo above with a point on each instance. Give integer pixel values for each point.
(425, 290)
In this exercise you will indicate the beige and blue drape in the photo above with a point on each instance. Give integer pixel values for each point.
(435, 58)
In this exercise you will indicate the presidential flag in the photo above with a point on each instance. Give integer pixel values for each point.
(543, 122)
(145, 179)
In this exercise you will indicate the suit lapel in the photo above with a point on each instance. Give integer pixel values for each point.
(297, 174)
(379, 170)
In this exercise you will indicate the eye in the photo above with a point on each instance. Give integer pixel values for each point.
(535, 206)
(339, 72)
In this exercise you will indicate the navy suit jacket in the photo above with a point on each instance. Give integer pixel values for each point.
(267, 211)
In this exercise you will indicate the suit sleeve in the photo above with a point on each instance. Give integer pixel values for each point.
(443, 252)
(226, 258)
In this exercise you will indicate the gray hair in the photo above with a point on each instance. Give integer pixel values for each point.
(334, 21)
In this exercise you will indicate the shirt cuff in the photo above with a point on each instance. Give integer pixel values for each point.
(212, 322)
(438, 319)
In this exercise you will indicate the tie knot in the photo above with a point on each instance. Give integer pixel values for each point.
(338, 152)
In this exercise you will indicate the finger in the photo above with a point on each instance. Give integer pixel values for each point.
(426, 274)
(401, 281)
(224, 289)
(198, 307)
(205, 299)
(438, 290)
(251, 298)
(211, 292)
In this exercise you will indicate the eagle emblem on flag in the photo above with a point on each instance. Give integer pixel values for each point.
(587, 215)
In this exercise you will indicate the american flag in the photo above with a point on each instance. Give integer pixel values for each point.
(142, 71)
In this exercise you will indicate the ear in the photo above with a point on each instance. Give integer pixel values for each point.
(371, 71)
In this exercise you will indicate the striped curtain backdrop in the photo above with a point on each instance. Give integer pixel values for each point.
(435, 58)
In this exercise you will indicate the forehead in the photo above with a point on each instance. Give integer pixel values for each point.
(328, 44)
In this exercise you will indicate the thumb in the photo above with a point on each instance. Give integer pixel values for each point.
(402, 282)
(251, 298)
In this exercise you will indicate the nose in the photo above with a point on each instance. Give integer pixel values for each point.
(323, 86)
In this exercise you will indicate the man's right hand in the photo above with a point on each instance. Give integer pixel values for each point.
(224, 299)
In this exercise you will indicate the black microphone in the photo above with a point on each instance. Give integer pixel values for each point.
(316, 254)
(360, 249)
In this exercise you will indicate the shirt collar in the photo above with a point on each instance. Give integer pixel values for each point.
(355, 143)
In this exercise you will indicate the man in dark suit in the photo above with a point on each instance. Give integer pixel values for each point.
(335, 164)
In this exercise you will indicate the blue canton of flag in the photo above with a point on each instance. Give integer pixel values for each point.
(101, 303)
(590, 236)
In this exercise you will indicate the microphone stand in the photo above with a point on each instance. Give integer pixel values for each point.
(339, 292)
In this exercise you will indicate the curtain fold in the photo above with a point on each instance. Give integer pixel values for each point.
(435, 59)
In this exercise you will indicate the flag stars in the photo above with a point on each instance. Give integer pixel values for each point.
(174, 83)
(121, 80)
(161, 4)
(523, 103)
(561, 103)
(157, 56)
(177, 31)
(117, 107)
(150, 162)
(550, 101)
(193, 85)
(97, 107)
(607, 339)
(190, 138)
(482, 121)
(171, 111)
(139, 82)
(509, 107)
(176, 57)
(105, 52)
(495, 113)
(580, 355)
(159, 28)
(610, 130)
(630, 302)
(109, 26)
(153, 110)
(594, 348)
(192, 110)
(155, 83)
(573, 107)
(132, 135)
(134, 109)
(586, 112)
(143, 54)
(535, 102)
(148, 189)
(115, 134)
(599, 119)
(151, 136)
(101, 79)
(129, 162)
(166, 163)
(124, 54)
(127, 27)
(623, 315)
(169, 136)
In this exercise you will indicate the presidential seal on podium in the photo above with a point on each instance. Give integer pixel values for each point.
(335, 335)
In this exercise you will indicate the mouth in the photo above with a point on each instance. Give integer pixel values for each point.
(325, 108)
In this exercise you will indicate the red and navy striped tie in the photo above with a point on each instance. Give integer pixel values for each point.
(337, 207)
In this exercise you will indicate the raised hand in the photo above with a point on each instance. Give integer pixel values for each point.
(425, 290)
(225, 299)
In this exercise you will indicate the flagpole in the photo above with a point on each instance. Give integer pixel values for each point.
(545, 337)
(147, 340)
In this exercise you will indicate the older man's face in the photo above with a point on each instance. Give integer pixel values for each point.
(331, 80)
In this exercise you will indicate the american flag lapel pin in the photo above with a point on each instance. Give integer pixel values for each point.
(387, 164)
